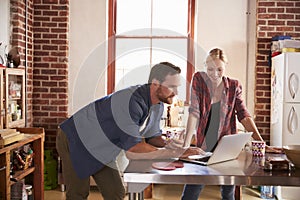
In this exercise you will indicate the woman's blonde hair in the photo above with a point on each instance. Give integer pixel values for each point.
(216, 53)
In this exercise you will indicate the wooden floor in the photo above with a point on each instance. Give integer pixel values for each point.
(161, 192)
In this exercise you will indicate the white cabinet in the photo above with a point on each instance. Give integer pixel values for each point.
(285, 99)
(285, 108)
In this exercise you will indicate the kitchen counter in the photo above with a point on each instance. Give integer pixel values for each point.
(246, 170)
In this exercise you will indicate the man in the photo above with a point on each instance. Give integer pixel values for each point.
(91, 139)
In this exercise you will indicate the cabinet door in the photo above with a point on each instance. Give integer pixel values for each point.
(277, 79)
(14, 97)
(292, 77)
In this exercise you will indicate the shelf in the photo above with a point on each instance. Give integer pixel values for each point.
(26, 139)
(20, 174)
(35, 137)
(14, 98)
(16, 123)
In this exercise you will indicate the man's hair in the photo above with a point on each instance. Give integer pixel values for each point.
(161, 70)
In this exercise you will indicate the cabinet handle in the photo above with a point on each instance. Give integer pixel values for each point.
(292, 121)
(293, 85)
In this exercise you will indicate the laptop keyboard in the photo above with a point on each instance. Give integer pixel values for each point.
(204, 159)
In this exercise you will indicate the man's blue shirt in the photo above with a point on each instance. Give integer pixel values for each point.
(99, 131)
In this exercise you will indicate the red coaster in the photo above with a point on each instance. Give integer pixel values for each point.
(178, 164)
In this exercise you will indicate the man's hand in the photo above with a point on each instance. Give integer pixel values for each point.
(176, 142)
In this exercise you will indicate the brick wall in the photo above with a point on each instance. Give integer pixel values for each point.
(50, 68)
(280, 17)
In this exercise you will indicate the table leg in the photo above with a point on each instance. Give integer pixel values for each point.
(238, 192)
(136, 190)
(131, 196)
(141, 196)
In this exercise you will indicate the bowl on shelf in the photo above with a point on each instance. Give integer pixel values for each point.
(293, 154)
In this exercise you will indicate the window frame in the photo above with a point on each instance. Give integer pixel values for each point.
(112, 6)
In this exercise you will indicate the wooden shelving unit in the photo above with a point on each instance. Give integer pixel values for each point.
(34, 136)
(14, 97)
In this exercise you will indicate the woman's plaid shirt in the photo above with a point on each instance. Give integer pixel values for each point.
(232, 105)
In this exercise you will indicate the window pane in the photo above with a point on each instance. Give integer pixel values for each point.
(174, 51)
(170, 17)
(132, 62)
(135, 56)
(133, 15)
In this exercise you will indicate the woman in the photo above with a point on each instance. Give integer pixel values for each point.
(216, 101)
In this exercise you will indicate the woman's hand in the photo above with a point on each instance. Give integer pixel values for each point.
(192, 151)
(270, 149)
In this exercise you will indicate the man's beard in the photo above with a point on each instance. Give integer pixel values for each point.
(168, 99)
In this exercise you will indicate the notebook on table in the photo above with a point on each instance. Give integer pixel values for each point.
(228, 148)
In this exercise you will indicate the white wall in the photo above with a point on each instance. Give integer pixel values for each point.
(224, 25)
(87, 62)
(4, 25)
(250, 84)
(232, 27)
(219, 24)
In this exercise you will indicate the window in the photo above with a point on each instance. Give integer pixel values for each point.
(145, 32)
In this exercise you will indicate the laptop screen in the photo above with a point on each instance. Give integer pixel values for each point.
(229, 147)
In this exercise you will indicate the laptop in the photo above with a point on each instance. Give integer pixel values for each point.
(228, 148)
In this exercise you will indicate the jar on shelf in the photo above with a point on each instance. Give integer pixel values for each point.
(29, 192)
